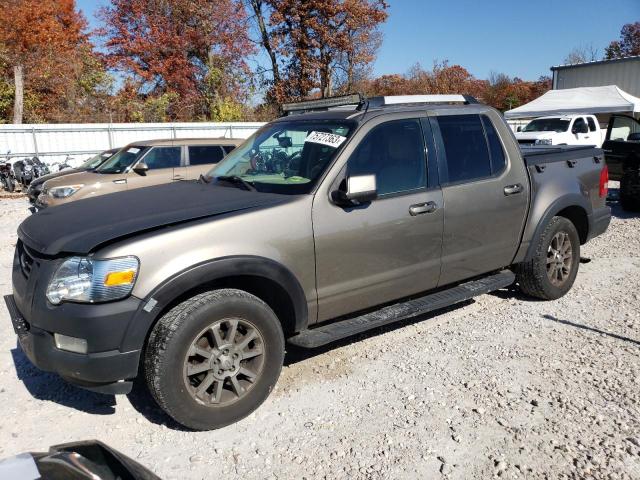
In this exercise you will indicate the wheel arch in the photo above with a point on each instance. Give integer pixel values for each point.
(572, 207)
(267, 279)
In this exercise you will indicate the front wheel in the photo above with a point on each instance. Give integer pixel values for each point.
(552, 270)
(213, 359)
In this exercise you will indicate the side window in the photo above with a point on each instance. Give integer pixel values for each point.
(592, 124)
(465, 147)
(162, 157)
(228, 148)
(578, 125)
(205, 154)
(394, 153)
(498, 158)
(622, 127)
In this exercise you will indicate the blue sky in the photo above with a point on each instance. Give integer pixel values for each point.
(520, 39)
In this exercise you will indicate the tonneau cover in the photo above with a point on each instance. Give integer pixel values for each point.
(79, 227)
(560, 153)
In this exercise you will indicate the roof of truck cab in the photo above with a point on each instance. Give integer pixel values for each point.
(361, 115)
(168, 142)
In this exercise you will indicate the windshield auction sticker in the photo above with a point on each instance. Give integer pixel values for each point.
(323, 138)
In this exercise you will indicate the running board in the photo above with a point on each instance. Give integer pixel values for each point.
(324, 334)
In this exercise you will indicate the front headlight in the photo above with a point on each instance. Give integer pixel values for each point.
(83, 279)
(544, 141)
(64, 192)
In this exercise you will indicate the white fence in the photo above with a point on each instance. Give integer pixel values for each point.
(56, 142)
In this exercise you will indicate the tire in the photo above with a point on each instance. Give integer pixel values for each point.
(538, 280)
(183, 349)
(630, 190)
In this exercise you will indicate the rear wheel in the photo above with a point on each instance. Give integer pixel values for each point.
(630, 190)
(552, 270)
(213, 359)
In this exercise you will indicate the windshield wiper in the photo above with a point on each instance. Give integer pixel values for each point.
(237, 180)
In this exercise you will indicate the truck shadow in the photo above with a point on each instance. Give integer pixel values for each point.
(590, 329)
(52, 388)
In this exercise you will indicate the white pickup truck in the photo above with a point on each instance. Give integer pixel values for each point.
(562, 130)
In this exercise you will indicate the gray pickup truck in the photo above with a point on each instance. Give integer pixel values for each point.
(342, 216)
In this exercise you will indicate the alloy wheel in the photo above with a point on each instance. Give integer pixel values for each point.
(559, 258)
(224, 362)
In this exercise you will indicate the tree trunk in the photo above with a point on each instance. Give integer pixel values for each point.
(266, 40)
(18, 103)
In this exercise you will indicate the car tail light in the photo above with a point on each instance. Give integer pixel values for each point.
(604, 182)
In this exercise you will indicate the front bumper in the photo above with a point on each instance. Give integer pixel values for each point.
(105, 371)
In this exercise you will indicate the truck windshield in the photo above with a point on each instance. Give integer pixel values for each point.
(547, 125)
(122, 160)
(283, 157)
(95, 161)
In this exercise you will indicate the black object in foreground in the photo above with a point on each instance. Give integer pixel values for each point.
(90, 460)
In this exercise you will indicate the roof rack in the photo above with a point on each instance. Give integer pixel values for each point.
(419, 100)
(359, 102)
(355, 99)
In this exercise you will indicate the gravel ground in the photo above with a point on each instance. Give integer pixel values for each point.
(502, 386)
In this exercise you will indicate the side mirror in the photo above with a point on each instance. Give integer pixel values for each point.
(519, 129)
(360, 190)
(141, 168)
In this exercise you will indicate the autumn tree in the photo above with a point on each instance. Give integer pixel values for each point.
(315, 44)
(505, 93)
(628, 45)
(194, 52)
(46, 56)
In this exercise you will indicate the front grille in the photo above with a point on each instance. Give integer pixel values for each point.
(526, 142)
(25, 260)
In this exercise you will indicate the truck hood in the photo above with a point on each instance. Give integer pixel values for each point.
(535, 135)
(79, 227)
(77, 176)
(51, 176)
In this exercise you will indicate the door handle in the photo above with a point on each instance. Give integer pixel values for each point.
(419, 208)
(513, 189)
(120, 181)
(178, 177)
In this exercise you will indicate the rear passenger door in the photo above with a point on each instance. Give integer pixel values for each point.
(486, 195)
(202, 158)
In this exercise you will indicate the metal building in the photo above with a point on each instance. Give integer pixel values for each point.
(623, 72)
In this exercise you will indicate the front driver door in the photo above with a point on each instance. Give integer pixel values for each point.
(391, 247)
(580, 131)
(164, 164)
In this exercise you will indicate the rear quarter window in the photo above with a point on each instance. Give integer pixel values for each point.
(498, 158)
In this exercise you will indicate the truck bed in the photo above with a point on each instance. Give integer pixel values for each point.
(561, 153)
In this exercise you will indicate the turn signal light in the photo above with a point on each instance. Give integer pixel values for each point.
(119, 278)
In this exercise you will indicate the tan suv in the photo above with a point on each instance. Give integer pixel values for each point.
(140, 164)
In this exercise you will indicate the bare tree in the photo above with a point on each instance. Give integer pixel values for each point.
(582, 54)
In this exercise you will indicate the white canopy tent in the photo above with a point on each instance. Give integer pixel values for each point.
(593, 100)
